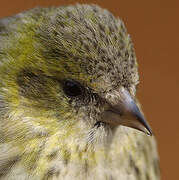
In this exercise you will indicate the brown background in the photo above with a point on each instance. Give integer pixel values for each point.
(154, 28)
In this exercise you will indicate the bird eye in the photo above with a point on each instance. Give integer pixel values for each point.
(72, 88)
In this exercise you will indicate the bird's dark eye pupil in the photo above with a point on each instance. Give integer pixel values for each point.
(72, 88)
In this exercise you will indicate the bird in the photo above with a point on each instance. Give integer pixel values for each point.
(68, 105)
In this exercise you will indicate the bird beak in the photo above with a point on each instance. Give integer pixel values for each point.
(126, 113)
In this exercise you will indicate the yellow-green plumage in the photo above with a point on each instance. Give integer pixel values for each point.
(51, 132)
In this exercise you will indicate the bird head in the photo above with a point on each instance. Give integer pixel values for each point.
(69, 72)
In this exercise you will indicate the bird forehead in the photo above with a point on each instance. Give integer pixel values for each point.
(91, 41)
(84, 31)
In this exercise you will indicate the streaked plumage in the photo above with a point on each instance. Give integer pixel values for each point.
(68, 79)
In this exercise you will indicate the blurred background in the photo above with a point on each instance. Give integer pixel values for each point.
(154, 27)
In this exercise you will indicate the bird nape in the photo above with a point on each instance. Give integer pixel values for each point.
(68, 107)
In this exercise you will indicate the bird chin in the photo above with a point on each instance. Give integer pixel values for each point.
(100, 135)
